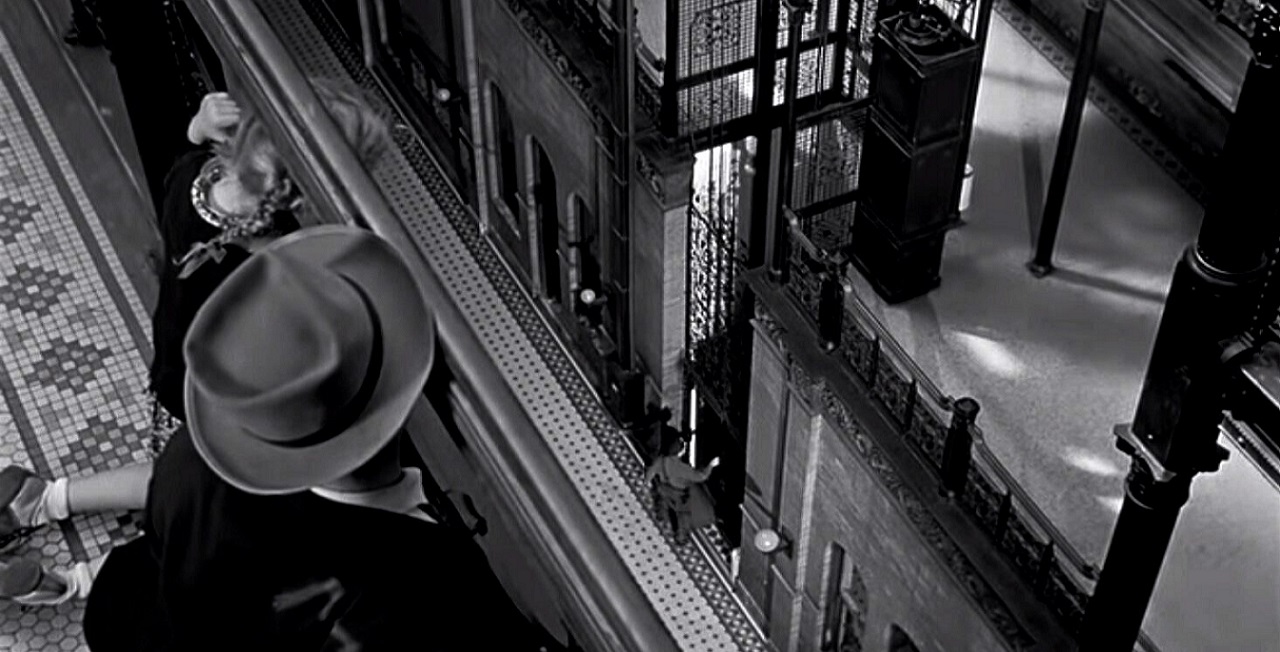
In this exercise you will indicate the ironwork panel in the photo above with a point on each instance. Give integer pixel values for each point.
(817, 70)
(827, 167)
(716, 356)
(862, 27)
(715, 33)
(716, 102)
(823, 10)
(962, 12)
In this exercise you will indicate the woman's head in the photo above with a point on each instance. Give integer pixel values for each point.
(255, 161)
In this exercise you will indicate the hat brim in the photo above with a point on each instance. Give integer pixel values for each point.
(408, 337)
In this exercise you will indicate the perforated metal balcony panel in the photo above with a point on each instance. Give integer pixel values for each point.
(698, 610)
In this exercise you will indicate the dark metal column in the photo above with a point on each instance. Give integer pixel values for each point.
(1175, 430)
(766, 73)
(1086, 55)
(624, 16)
(982, 28)
(796, 10)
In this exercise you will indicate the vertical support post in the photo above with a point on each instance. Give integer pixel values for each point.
(831, 305)
(982, 29)
(624, 162)
(796, 10)
(669, 112)
(1175, 430)
(1041, 263)
(957, 451)
(1113, 616)
(766, 76)
(844, 40)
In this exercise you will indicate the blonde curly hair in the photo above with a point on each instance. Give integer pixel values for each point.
(253, 158)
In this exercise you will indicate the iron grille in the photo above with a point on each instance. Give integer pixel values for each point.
(827, 166)
(714, 66)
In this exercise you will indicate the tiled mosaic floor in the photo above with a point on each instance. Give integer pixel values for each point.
(72, 347)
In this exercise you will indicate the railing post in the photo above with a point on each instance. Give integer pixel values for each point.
(796, 10)
(1047, 557)
(831, 307)
(957, 451)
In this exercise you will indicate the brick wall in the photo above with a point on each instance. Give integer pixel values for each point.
(544, 106)
(829, 492)
(541, 106)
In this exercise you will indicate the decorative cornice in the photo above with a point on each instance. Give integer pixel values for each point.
(539, 35)
(992, 606)
(648, 95)
(770, 326)
(651, 175)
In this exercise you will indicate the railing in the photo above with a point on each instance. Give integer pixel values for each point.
(608, 608)
(942, 432)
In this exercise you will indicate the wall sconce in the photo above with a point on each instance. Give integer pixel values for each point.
(769, 541)
(590, 298)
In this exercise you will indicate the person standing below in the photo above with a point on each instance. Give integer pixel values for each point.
(680, 491)
(279, 517)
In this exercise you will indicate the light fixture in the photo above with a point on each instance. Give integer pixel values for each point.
(769, 541)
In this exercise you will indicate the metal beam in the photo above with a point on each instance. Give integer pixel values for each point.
(1212, 304)
(796, 11)
(1086, 55)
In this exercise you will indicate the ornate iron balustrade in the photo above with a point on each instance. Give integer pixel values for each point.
(927, 418)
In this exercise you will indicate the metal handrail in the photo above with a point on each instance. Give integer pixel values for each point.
(887, 340)
(1062, 546)
(618, 615)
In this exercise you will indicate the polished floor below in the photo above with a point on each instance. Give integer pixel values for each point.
(1057, 362)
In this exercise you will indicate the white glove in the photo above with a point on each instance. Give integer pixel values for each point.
(215, 121)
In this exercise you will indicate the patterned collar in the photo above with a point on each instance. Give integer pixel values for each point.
(237, 229)
(201, 193)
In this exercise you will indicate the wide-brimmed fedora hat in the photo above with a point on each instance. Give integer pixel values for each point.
(306, 360)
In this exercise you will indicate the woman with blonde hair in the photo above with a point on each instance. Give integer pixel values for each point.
(225, 199)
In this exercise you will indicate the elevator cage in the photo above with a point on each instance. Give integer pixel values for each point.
(713, 74)
(712, 84)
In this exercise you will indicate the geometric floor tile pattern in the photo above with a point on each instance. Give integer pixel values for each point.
(72, 349)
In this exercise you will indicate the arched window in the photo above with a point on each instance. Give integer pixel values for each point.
(832, 604)
(844, 605)
(546, 202)
(506, 182)
(899, 641)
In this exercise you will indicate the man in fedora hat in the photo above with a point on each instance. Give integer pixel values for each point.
(281, 518)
